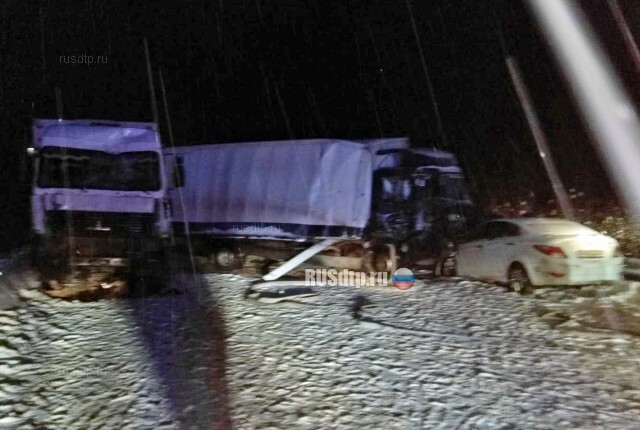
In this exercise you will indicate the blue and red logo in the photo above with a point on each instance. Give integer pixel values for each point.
(403, 279)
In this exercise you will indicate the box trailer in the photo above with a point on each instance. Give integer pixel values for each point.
(287, 190)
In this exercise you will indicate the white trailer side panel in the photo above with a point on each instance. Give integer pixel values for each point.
(288, 189)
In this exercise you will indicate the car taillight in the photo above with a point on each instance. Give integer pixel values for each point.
(551, 251)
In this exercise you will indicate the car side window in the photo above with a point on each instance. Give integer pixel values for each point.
(495, 230)
(478, 233)
(511, 230)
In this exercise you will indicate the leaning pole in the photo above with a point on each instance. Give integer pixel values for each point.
(606, 107)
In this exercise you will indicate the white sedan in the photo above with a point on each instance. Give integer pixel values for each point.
(539, 251)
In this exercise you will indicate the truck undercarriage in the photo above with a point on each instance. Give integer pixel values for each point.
(77, 267)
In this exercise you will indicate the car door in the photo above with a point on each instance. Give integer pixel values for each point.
(498, 249)
(469, 256)
(514, 247)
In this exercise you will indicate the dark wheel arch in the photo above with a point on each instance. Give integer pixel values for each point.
(515, 264)
(521, 284)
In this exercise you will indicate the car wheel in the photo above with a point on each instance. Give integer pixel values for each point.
(519, 280)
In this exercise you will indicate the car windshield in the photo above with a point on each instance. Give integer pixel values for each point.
(80, 168)
(558, 228)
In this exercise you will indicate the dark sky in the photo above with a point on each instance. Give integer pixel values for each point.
(257, 69)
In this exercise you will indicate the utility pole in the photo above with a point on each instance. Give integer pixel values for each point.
(604, 103)
(540, 138)
(154, 104)
(179, 186)
(629, 41)
(166, 108)
(59, 102)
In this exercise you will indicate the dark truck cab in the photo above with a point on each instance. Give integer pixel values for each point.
(423, 210)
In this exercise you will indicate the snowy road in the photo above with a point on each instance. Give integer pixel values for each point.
(440, 355)
(113, 364)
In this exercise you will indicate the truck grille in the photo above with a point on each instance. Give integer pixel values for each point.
(100, 224)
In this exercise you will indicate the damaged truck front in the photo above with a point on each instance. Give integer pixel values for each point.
(100, 214)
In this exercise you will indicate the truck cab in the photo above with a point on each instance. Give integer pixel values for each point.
(422, 203)
(99, 196)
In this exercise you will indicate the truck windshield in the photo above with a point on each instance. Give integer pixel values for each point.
(80, 168)
(453, 187)
(396, 189)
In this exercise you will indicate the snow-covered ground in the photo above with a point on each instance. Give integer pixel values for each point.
(440, 355)
(112, 364)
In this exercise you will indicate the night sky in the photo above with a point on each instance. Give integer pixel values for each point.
(257, 70)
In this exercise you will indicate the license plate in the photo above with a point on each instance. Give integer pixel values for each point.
(595, 253)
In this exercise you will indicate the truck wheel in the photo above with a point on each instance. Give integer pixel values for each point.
(39, 257)
(226, 258)
(385, 259)
(165, 277)
(136, 284)
(446, 266)
(150, 274)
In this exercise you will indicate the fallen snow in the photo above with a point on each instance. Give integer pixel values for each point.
(442, 355)
(125, 364)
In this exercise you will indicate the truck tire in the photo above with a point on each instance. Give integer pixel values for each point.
(385, 259)
(150, 275)
(446, 265)
(226, 258)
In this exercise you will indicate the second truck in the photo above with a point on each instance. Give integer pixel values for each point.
(101, 216)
